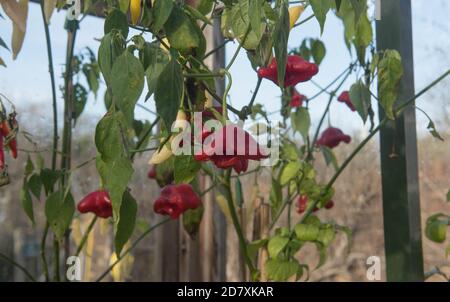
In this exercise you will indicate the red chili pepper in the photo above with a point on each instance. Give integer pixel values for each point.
(302, 204)
(6, 129)
(297, 70)
(230, 147)
(97, 202)
(152, 172)
(332, 137)
(2, 154)
(297, 98)
(345, 98)
(175, 200)
(329, 205)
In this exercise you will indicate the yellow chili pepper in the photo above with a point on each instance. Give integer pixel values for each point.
(294, 14)
(165, 153)
(135, 11)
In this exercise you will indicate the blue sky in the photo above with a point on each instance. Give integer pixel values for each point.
(26, 80)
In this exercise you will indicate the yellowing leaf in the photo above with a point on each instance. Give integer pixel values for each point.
(49, 7)
(14, 10)
(19, 29)
(2, 63)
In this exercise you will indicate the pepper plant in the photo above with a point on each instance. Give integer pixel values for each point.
(170, 70)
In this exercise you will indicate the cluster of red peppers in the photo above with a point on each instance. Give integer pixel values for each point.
(226, 150)
(297, 70)
(8, 131)
(97, 202)
(174, 200)
(302, 204)
(332, 137)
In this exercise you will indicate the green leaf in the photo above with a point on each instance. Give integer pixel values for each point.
(447, 251)
(432, 128)
(239, 23)
(161, 12)
(108, 137)
(276, 197)
(168, 92)
(35, 185)
(127, 221)
(320, 9)
(390, 71)
(359, 8)
(318, 50)
(330, 157)
(436, 230)
(363, 37)
(117, 20)
(448, 196)
(326, 234)
(289, 171)
(184, 34)
(115, 175)
(197, 15)
(322, 249)
(49, 178)
(110, 47)
(91, 72)
(301, 121)
(127, 82)
(306, 232)
(29, 166)
(256, 13)
(280, 39)
(360, 97)
(254, 246)
(281, 270)
(276, 245)
(338, 4)
(80, 100)
(3, 44)
(59, 210)
(27, 203)
(192, 220)
(185, 168)
(123, 5)
(348, 233)
(155, 59)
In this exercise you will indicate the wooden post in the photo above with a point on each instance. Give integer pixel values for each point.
(398, 152)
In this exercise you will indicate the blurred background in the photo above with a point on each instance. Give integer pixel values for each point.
(358, 192)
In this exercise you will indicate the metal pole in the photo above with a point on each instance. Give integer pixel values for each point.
(398, 152)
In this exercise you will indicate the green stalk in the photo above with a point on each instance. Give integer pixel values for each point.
(133, 245)
(19, 266)
(236, 224)
(86, 235)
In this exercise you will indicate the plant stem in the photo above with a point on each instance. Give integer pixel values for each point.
(53, 87)
(304, 21)
(67, 130)
(133, 245)
(55, 130)
(238, 49)
(56, 276)
(19, 266)
(43, 257)
(237, 225)
(86, 235)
